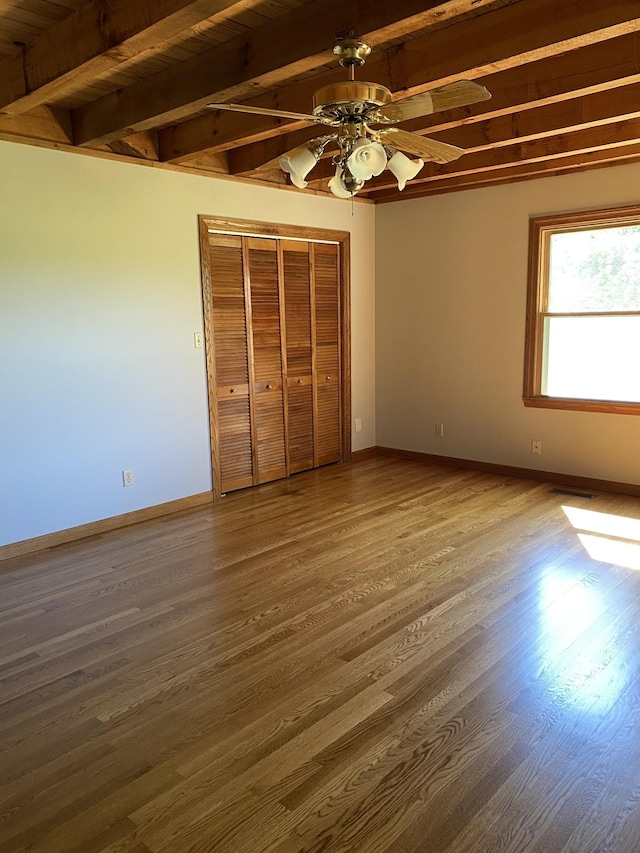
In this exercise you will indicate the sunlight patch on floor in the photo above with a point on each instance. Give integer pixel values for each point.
(606, 537)
(606, 550)
(606, 523)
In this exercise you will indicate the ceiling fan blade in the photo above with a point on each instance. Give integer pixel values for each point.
(265, 111)
(428, 149)
(317, 140)
(458, 94)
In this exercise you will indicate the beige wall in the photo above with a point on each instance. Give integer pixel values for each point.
(100, 296)
(99, 299)
(451, 276)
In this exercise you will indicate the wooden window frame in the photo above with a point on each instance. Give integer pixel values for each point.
(255, 228)
(540, 231)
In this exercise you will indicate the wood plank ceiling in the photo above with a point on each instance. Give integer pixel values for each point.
(134, 79)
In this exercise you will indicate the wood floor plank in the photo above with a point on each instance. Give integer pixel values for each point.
(388, 657)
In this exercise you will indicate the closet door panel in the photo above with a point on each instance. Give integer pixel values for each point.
(297, 299)
(268, 396)
(327, 340)
(231, 362)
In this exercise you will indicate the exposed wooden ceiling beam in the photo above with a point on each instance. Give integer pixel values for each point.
(519, 172)
(92, 40)
(143, 145)
(595, 67)
(604, 138)
(562, 117)
(220, 131)
(293, 45)
(44, 123)
(525, 32)
(564, 77)
(546, 83)
(214, 163)
(524, 122)
(598, 67)
(487, 158)
(445, 55)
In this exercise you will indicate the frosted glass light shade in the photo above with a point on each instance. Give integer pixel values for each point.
(336, 186)
(403, 168)
(343, 184)
(366, 160)
(298, 165)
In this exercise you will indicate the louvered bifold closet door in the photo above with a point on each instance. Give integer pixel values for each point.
(327, 341)
(231, 362)
(268, 397)
(297, 299)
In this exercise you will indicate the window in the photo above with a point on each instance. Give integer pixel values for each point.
(582, 346)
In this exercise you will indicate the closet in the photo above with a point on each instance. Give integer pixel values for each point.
(275, 316)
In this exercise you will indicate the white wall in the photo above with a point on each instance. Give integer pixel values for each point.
(451, 278)
(99, 298)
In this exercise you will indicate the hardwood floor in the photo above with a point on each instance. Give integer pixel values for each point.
(387, 656)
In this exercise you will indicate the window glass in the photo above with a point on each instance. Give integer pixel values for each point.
(593, 358)
(595, 270)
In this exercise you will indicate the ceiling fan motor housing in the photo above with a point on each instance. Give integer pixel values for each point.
(351, 100)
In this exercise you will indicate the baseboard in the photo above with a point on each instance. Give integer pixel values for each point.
(589, 483)
(72, 534)
(364, 455)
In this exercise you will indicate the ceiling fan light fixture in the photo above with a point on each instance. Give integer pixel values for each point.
(351, 107)
(404, 169)
(298, 165)
(367, 159)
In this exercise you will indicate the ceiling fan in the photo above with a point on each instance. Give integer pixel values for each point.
(363, 115)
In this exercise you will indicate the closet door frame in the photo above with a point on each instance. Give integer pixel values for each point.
(251, 228)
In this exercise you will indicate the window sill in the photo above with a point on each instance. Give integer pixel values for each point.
(576, 405)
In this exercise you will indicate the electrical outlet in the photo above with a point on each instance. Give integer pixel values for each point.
(358, 424)
(536, 446)
(127, 477)
(198, 340)
(439, 430)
